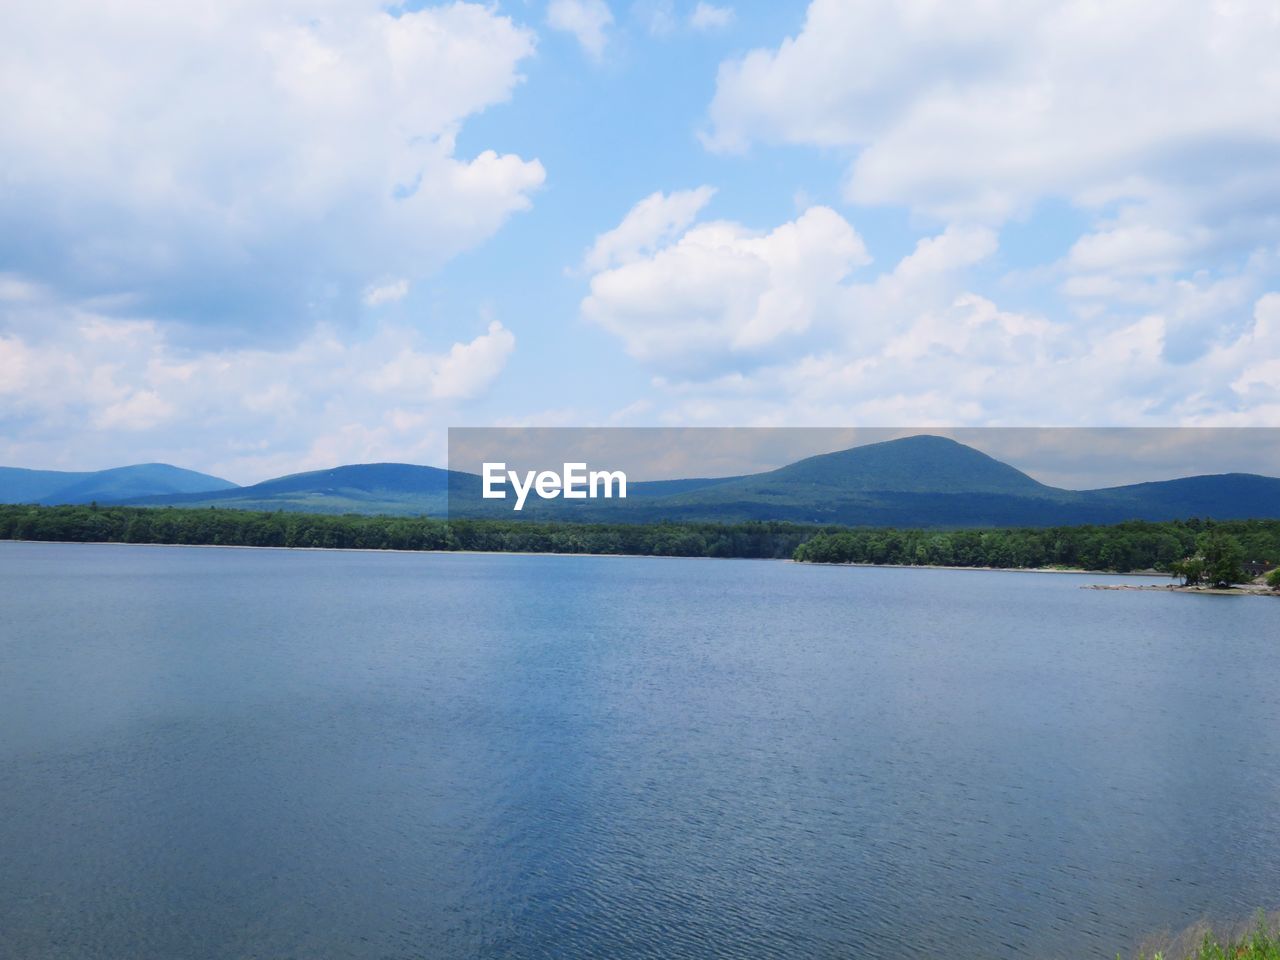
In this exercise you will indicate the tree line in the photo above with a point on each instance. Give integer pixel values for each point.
(1138, 545)
(224, 527)
(1207, 550)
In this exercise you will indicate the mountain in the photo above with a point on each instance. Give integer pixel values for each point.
(927, 481)
(920, 464)
(394, 488)
(1224, 495)
(924, 477)
(397, 488)
(920, 481)
(18, 485)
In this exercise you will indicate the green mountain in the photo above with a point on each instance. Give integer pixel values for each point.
(18, 485)
(1238, 495)
(921, 464)
(920, 481)
(876, 484)
(927, 481)
(396, 488)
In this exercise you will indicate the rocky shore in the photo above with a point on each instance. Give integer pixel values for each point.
(1255, 589)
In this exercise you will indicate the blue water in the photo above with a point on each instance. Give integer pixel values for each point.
(220, 753)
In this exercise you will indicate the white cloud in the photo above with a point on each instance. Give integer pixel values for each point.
(140, 410)
(976, 108)
(463, 372)
(253, 163)
(652, 221)
(77, 388)
(955, 248)
(975, 329)
(1258, 356)
(720, 289)
(775, 328)
(1129, 249)
(392, 292)
(659, 16)
(14, 289)
(708, 16)
(971, 362)
(718, 293)
(1157, 124)
(587, 20)
(968, 363)
(15, 366)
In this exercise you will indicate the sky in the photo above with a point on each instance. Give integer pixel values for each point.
(264, 236)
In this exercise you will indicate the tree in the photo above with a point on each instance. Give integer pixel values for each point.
(1222, 558)
(1190, 569)
(1273, 579)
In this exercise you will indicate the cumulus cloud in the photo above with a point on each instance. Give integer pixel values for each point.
(971, 362)
(77, 387)
(587, 20)
(253, 164)
(459, 374)
(653, 220)
(974, 108)
(690, 297)
(1155, 126)
(1257, 356)
(1126, 249)
(783, 327)
(720, 289)
(708, 16)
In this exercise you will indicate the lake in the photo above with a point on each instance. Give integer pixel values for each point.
(234, 753)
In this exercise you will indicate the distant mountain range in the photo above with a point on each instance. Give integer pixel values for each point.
(927, 481)
(119, 483)
(921, 481)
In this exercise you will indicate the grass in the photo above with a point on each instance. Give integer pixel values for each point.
(1261, 942)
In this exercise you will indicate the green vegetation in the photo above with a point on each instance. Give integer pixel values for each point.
(1222, 558)
(1273, 579)
(1190, 569)
(1217, 561)
(348, 531)
(1261, 943)
(1194, 549)
(1212, 548)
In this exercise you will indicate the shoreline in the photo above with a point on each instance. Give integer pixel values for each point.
(1239, 590)
(1076, 571)
(392, 550)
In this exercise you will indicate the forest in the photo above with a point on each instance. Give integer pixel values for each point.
(1137, 545)
(217, 526)
(1122, 547)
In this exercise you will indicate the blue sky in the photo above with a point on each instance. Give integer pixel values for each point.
(275, 236)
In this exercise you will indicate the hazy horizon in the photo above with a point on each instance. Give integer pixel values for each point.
(1070, 458)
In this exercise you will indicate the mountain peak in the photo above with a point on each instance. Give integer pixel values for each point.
(922, 463)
